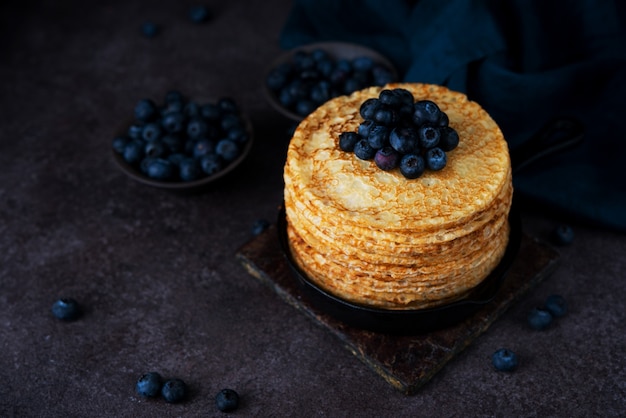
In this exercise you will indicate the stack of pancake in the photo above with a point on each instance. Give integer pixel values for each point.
(375, 238)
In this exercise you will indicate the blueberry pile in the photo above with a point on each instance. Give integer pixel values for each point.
(182, 140)
(312, 78)
(398, 131)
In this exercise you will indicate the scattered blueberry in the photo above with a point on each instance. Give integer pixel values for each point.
(149, 385)
(539, 319)
(556, 305)
(199, 14)
(563, 234)
(504, 360)
(259, 226)
(66, 309)
(174, 390)
(227, 400)
(149, 29)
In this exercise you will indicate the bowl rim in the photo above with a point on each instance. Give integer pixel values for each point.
(336, 49)
(137, 175)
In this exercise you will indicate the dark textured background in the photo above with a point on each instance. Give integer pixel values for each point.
(156, 271)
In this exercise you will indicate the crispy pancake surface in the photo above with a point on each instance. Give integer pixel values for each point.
(376, 238)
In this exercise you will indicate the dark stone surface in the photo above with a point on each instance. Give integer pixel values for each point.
(157, 272)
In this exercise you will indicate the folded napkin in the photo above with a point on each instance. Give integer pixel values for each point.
(525, 61)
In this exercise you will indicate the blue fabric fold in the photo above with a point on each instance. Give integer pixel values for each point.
(525, 61)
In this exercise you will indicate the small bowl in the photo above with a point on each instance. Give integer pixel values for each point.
(336, 50)
(184, 186)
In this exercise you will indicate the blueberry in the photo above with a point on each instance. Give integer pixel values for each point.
(259, 226)
(387, 158)
(563, 235)
(276, 79)
(134, 151)
(390, 98)
(149, 385)
(363, 150)
(230, 121)
(363, 63)
(321, 92)
(429, 136)
(176, 158)
(405, 140)
(173, 143)
(238, 134)
(211, 164)
(449, 138)
(436, 159)
(227, 149)
(385, 115)
(318, 54)
(174, 390)
(368, 108)
(149, 29)
(302, 60)
(285, 98)
(203, 147)
(119, 144)
(189, 169)
(198, 14)
(135, 130)
(556, 305)
(151, 132)
(325, 67)
(173, 122)
(504, 360)
(378, 136)
(210, 111)
(227, 400)
(305, 107)
(197, 128)
(443, 120)
(173, 106)
(191, 109)
(426, 111)
(155, 149)
(160, 169)
(412, 166)
(145, 110)
(66, 309)
(227, 105)
(365, 127)
(382, 75)
(539, 319)
(347, 141)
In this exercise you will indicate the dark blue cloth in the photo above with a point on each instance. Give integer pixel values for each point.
(525, 61)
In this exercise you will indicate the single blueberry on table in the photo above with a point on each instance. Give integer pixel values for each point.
(198, 14)
(145, 110)
(347, 141)
(149, 29)
(556, 305)
(539, 319)
(412, 166)
(149, 385)
(436, 159)
(504, 360)
(66, 309)
(363, 150)
(174, 390)
(563, 234)
(227, 400)
(189, 169)
(405, 140)
(387, 158)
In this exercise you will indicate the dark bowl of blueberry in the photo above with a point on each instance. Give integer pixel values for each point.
(299, 81)
(182, 144)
